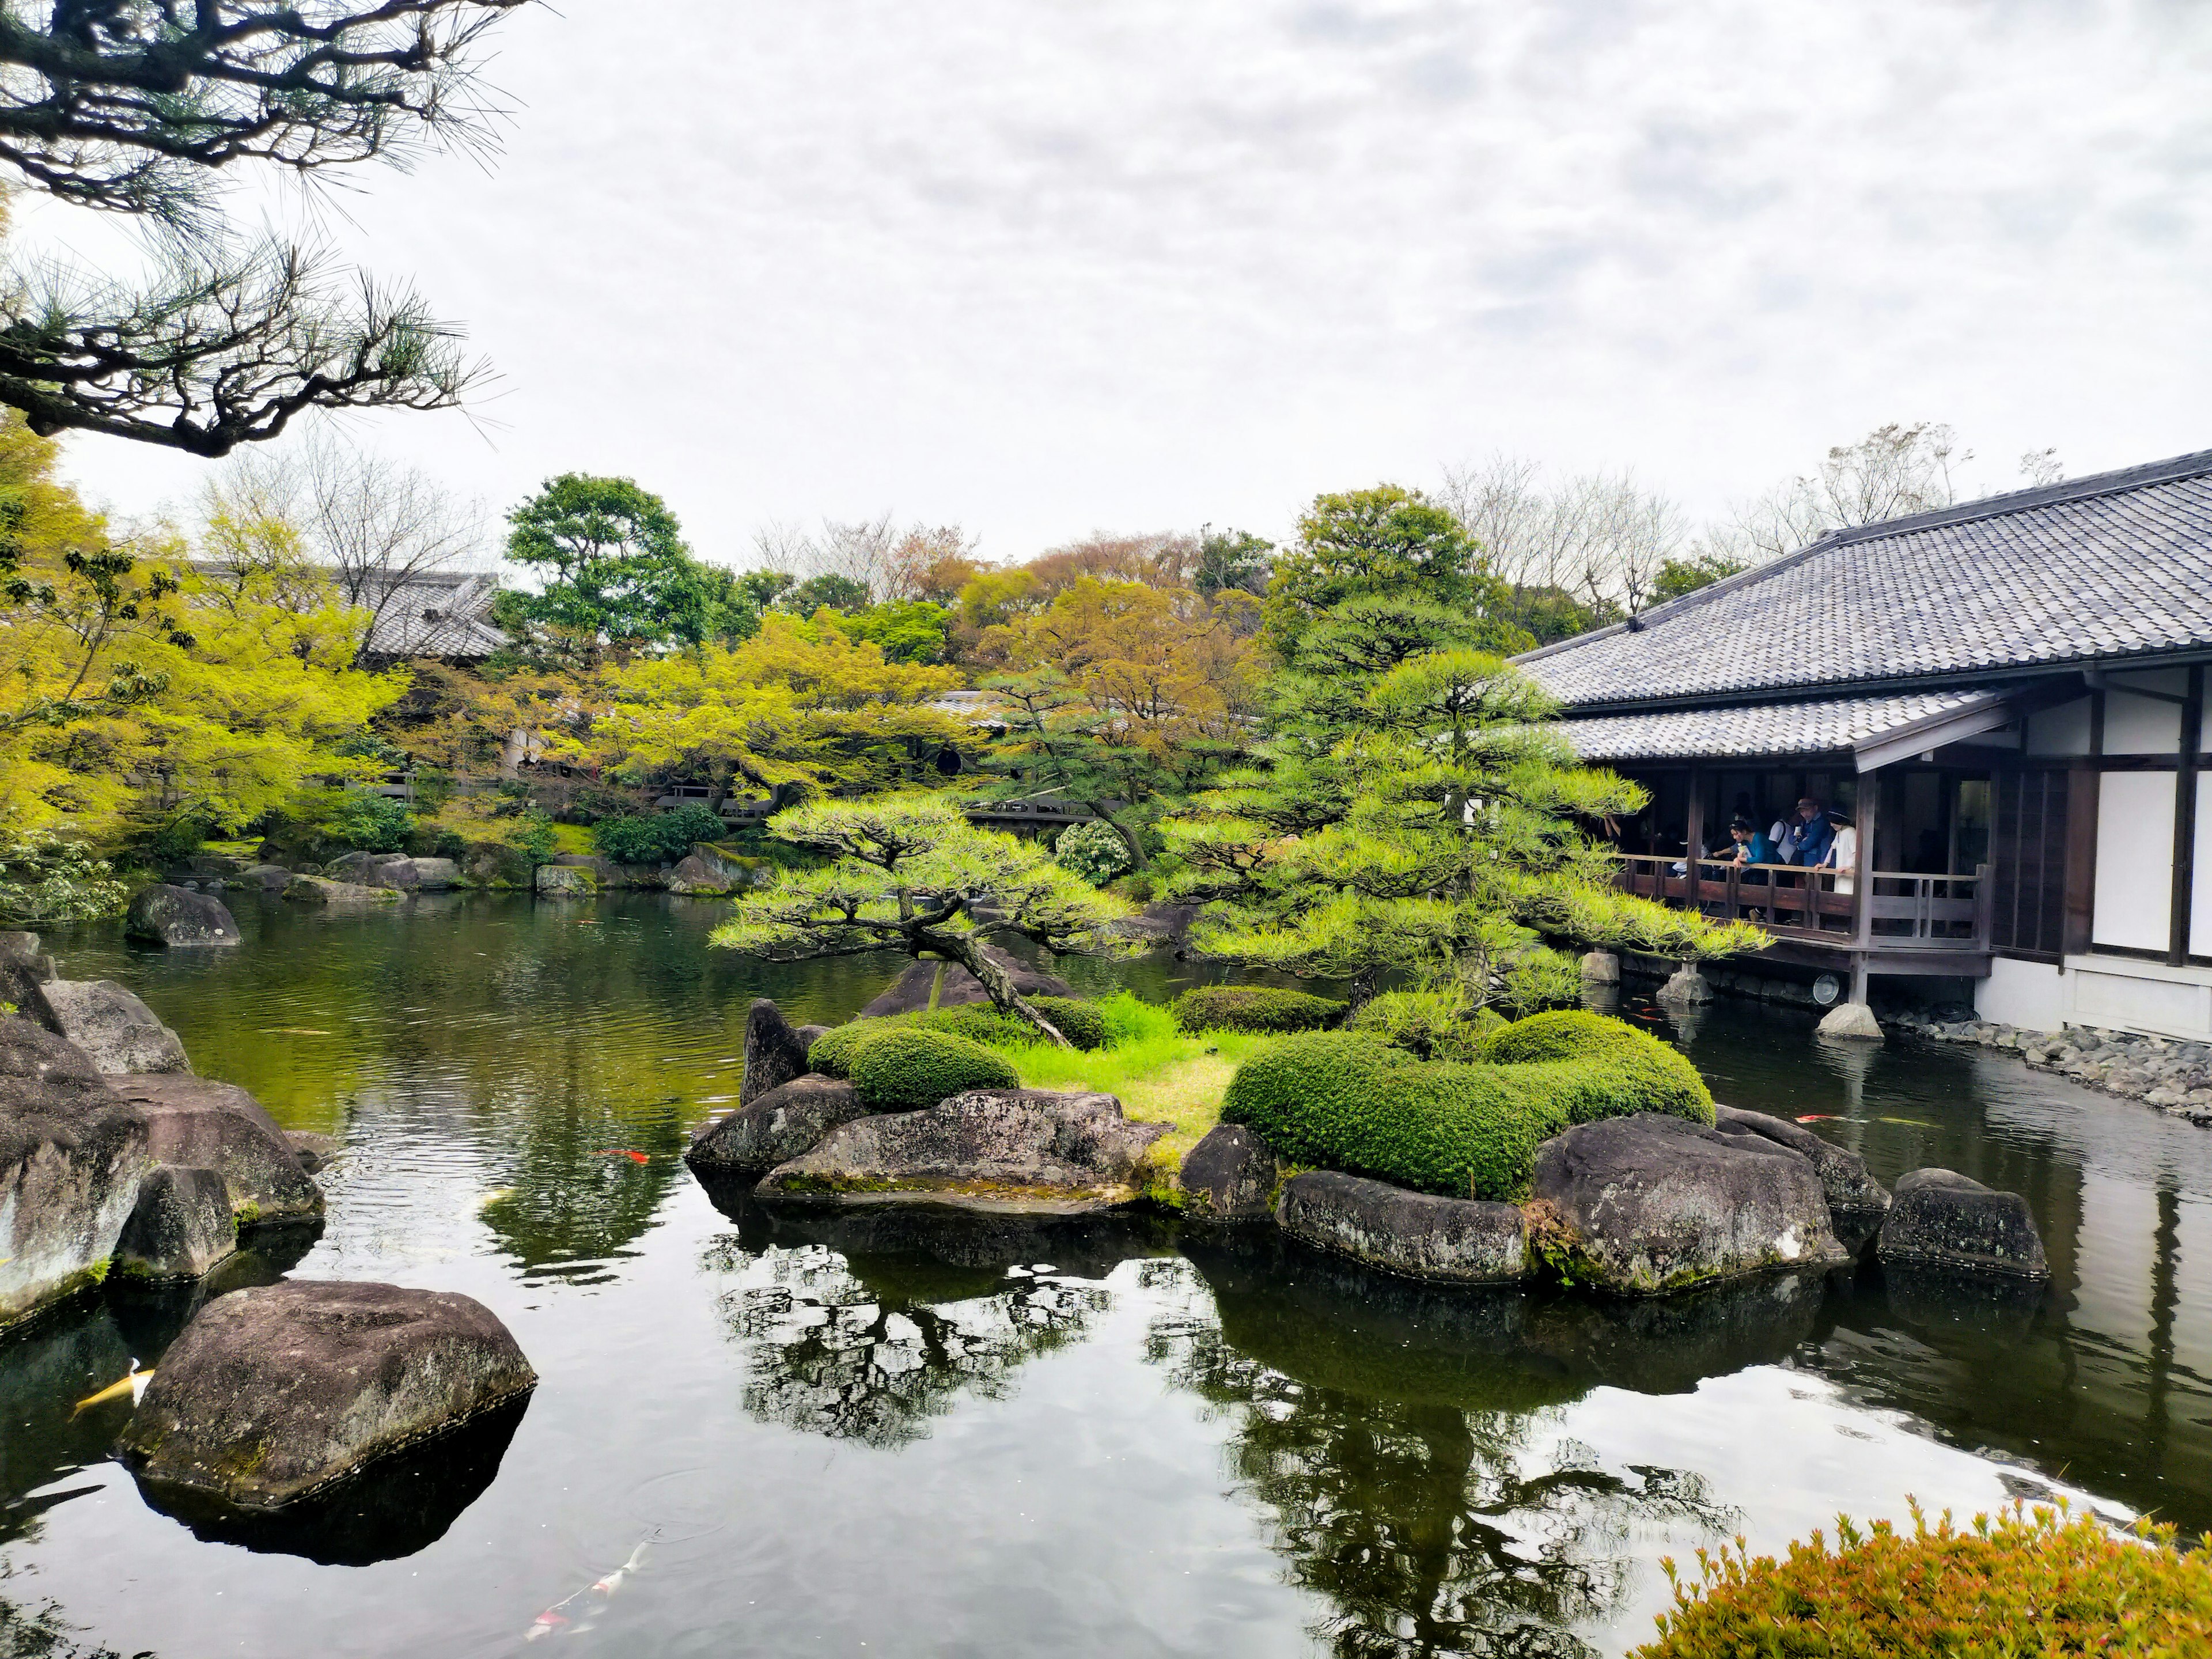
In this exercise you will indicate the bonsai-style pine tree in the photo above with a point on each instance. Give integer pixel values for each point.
(1417, 816)
(911, 874)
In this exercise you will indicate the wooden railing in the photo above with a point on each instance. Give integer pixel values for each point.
(1903, 910)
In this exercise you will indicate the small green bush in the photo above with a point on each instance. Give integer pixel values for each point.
(901, 1069)
(1622, 1071)
(832, 1052)
(2036, 1581)
(656, 837)
(1129, 1019)
(1093, 851)
(1342, 1101)
(1082, 1023)
(1252, 1008)
(370, 823)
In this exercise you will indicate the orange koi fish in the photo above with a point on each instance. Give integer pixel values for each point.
(621, 1152)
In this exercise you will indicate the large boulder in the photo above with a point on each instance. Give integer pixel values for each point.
(1459, 1240)
(273, 1394)
(912, 992)
(1844, 1178)
(162, 915)
(396, 871)
(1647, 1205)
(774, 1053)
(436, 875)
(695, 876)
(72, 1153)
(181, 1227)
(1230, 1176)
(262, 878)
(320, 889)
(564, 881)
(784, 1124)
(121, 1034)
(1941, 1219)
(24, 967)
(350, 866)
(201, 1123)
(1034, 1151)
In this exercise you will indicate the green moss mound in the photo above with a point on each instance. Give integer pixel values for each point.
(2026, 1582)
(1082, 1023)
(1629, 1071)
(1351, 1101)
(901, 1069)
(1252, 1008)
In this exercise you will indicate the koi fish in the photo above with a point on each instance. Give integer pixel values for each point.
(621, 1152)
(553, 1621)
(133, 1383)
(1910, 1122)
(1820, 1117)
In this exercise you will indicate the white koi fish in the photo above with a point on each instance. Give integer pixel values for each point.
(555, 1622)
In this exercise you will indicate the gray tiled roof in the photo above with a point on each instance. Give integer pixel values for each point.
(2101, 568)
(445, 613)
(1759, 729)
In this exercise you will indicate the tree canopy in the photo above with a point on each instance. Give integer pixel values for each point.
(909, 872)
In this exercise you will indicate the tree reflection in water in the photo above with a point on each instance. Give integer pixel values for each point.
(1409, 1447)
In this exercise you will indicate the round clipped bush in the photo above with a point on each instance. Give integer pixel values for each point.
(832, 1052)
(1252, 1008)
(901, 1069)
(1621, 1071)
(1341, 1101)
(2027, 1582)
(1080, 1021)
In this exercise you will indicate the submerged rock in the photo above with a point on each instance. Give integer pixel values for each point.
(72, 1153)
(198, 1122)
(1648, 1204)
(1844, 1178)
(784, 1124)
(1942, 1219)
(161, 915)
(1460, 1241)
(121, 1034)
(273, 1394)
(181, 1227)
(1230, 1176)
(1030, 1150)
(775, 1054)
(911, 993)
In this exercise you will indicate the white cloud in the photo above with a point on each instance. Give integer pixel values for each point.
(1047, 268)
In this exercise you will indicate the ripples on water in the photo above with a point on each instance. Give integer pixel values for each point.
(879, 1431)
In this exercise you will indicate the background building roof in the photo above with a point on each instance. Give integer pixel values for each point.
(2101, 568)
(1840, 726)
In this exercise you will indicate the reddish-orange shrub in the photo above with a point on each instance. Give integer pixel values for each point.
(2028, 1584)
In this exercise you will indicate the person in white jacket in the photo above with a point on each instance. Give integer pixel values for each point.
(1844, 851)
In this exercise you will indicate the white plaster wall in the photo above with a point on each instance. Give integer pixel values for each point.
(2134, 860)
(2029, 994)
(2141, 726)
(2120, 993)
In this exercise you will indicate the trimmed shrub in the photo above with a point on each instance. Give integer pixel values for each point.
(2039, 1581)
(1081, 1023)
(1340, 1101)
(657, 837)
(369, 824)
(1351, 1102)
(1252, 1008)
(901, 1069)
(832, 1052)
(1624, 1071)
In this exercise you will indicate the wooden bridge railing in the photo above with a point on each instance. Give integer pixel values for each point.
(1903, 910)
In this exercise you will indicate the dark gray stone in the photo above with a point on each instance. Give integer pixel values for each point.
(72, 1153)
(565, 881)
(1035, 1150)
(315, 1151)
(162, 915)
(321, 889)
(1458, 1240)
(1843, 1176)
(911, 993)
(1647, 1205)
(693, 874)
(180, 1226)
(121, 1034)
(349, 867)
(775, 1054)
(1230, 1176)
(783, 1124)
(264, 878)
(1940, 1218)
(198, 1122)
(274, 1393)
(24, 967)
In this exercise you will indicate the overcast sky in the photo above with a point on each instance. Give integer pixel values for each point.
(1042, 268)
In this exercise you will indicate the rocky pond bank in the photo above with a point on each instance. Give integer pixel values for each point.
(2168, 1072)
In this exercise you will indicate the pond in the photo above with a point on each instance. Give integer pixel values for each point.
(899, 1434)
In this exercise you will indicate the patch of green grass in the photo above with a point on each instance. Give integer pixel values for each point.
(1162, 1077)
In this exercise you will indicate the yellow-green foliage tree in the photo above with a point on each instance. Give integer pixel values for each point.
(801, 703)
(137, 688)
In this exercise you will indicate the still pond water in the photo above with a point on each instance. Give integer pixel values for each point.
(894, 1435)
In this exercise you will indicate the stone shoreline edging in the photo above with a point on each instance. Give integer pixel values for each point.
(2170, 1073)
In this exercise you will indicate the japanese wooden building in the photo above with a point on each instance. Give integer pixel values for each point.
(2006, 698)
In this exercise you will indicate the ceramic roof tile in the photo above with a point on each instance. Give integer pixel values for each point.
(2115, 565)
(1759, 729)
